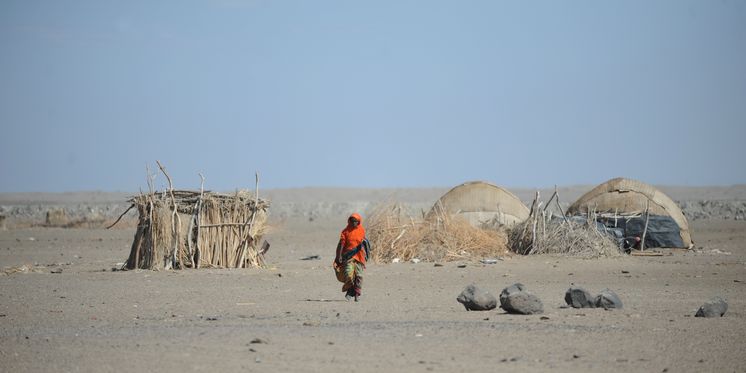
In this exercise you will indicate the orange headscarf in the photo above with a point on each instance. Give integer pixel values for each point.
(351, 237)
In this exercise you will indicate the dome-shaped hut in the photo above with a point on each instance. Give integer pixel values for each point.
(479, 202)
(622, 202)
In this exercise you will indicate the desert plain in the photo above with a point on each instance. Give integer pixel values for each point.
(66, 308)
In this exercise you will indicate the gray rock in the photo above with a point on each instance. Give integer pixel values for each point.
(476, 299)
(515, 288)
(578, 297)
(608, 299)
(515, 299)
(715, 307)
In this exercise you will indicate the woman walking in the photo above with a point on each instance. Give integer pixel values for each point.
(349, 262)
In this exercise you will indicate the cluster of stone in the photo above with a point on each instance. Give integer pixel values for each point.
(578, 297)
(515, 299)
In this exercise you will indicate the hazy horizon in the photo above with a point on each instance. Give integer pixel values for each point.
(370, 95)
(352, 188)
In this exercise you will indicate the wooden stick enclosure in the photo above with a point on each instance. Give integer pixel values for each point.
(541, 233)
(180, 229)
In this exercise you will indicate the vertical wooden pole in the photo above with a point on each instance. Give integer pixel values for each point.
(645, 230)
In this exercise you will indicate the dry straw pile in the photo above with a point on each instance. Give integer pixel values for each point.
(394, 234)
(546, 233)
(192, 229)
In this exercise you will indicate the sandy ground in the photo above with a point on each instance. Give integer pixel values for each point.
(292, 316)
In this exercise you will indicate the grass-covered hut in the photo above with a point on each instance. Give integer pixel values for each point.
(187, 229)
(180, 229)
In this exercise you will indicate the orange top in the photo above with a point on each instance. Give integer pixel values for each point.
(351, 237)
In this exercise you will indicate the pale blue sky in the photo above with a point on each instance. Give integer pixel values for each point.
(370, 94)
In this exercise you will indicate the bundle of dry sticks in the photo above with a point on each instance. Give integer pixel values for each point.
(548, 231)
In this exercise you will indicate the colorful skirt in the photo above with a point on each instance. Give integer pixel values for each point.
(350, 273)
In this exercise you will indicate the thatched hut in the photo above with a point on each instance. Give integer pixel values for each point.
(639, 209)
(56, 217)
(186, 229)
(479, 202)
